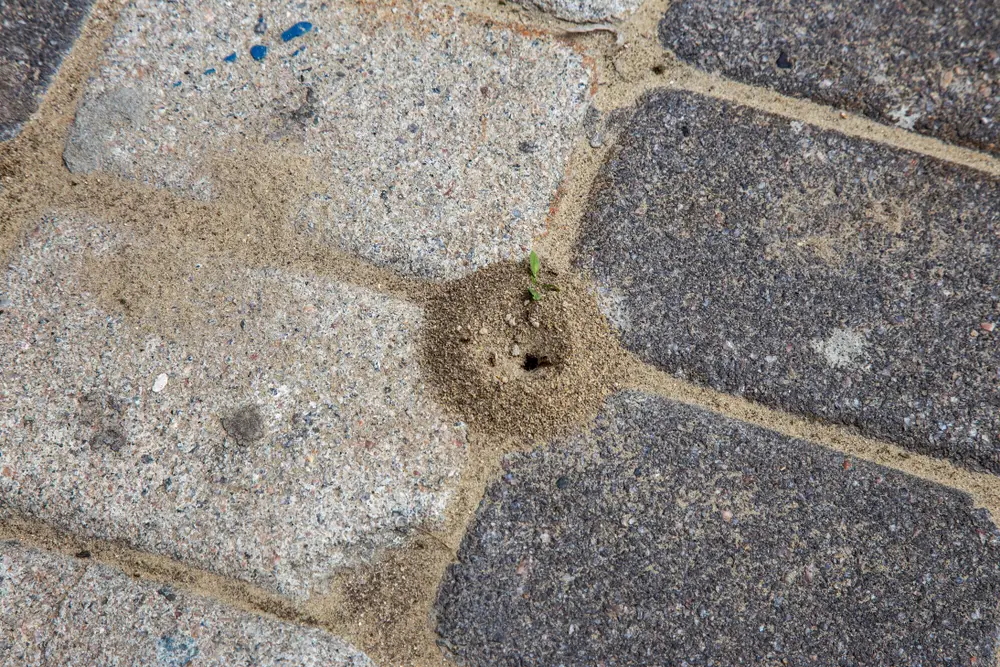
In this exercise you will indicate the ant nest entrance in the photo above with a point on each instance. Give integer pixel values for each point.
(520, 361)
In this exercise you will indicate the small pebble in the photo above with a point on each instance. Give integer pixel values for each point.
(985, 326)
(515, 350)
(535, 323)
(727, 516)
(484, 331)
(159, 383)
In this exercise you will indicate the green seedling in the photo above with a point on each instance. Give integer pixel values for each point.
(535, 266)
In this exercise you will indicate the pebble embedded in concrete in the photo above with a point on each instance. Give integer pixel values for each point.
(57, 610)
(411, 127)
(296, 435)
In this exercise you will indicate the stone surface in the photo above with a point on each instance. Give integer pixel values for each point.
(806, 270)
(34, 37)
(293, 434)
(437, 139)
(671, 535)
(585, 11)
(932, 66)
(56, 610)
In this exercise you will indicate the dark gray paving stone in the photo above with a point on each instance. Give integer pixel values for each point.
(34, 37)
(668, 535)
(927, 66)
(806, 270)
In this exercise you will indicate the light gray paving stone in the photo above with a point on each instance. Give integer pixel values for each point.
(438, 139)
(35, 35)
(280, 432)
(56, 610)
(669, 535)
(585, 11)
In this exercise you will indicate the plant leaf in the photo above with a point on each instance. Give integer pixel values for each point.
(534, 264)
(535, 294)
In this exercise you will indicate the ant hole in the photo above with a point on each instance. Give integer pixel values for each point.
(658, 69)
(534, 362)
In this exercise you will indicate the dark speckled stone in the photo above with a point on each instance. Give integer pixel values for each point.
(932, 66)
(686, 538)
(34, 37)
(821, 274)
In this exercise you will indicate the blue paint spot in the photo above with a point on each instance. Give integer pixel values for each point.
(297, 30)
(210, 70)
(231, 58)
(177, 83)
(176, 651)
(258, 52)
(298, 51)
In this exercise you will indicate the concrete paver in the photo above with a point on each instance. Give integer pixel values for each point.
(261, 424)
(34, 37)
(670, 535)
(437, 139)
(62, 611)
(821, 274)
(932, 67)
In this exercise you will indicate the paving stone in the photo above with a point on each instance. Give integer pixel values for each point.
(666, 534)
(438, 139)
(585, 11)
(34, 37)
(932, 67)
(806, 270)
(56, 610)
(261, 424)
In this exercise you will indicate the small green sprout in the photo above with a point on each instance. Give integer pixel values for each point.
(535, 266)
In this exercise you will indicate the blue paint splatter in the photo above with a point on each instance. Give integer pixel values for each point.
(297, 30)
(258, 52)
(231, 58)
(177, 83)
(298, 51)
(210, 70)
